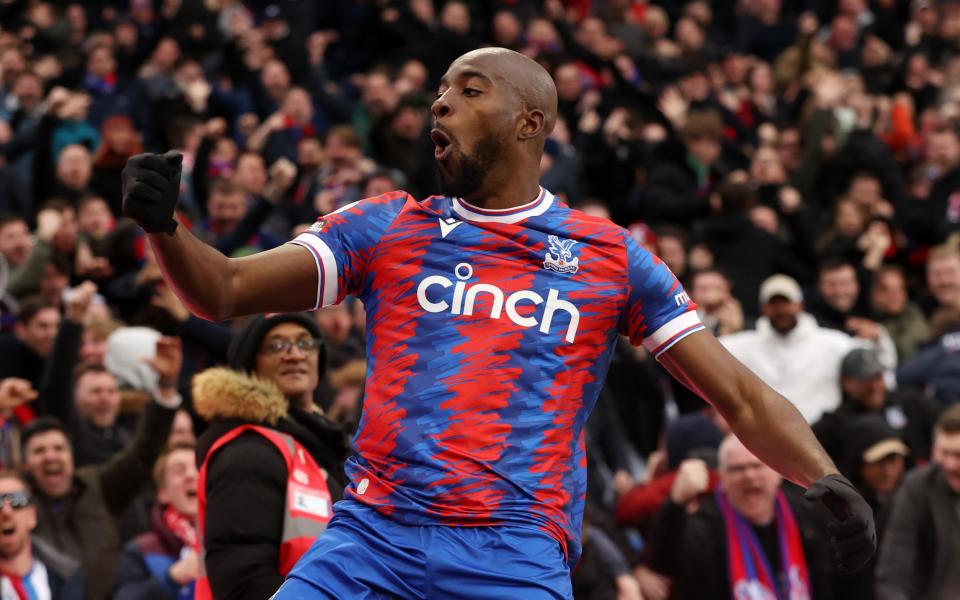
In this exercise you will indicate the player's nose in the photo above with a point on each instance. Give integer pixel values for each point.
(440, 108)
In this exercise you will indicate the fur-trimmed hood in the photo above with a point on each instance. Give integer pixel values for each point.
(221, 393)
(228, 399)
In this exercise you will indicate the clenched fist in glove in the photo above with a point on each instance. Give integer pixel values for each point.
(151, 186)
(852, 532)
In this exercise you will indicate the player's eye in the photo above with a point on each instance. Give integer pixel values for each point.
(439, 94)
(470, 92)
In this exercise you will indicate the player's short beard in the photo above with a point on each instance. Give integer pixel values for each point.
(471, 170)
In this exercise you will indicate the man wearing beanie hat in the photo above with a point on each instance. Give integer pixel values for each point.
(276, 363)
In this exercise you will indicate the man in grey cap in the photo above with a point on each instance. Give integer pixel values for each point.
(910, 413)
(796, 356)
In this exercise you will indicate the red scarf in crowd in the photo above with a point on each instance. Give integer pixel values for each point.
(105, 85)
(299, 131)
(16, 582)
(182, 526)
(751, 575)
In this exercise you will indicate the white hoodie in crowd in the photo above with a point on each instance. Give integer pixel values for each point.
(804, 364)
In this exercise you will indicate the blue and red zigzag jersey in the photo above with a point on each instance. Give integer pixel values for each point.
(489, 334)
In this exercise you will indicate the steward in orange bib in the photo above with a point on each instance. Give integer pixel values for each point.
(271, 466)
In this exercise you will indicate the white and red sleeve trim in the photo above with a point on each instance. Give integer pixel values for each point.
(326, 267)
(672, 332)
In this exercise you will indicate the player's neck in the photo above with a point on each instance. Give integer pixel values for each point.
(506, 196)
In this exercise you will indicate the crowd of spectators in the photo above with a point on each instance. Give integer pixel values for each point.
(796, 164)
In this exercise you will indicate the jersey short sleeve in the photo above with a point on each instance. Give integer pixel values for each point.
(658, 312)
(343, 242)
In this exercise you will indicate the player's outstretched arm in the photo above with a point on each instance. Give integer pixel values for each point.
(213, 286)
(773, 429)
(765, 421)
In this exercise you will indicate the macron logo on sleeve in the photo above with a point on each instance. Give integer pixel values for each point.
(681, 299)
(447, 225)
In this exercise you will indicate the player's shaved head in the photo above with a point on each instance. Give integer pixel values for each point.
(532, 84)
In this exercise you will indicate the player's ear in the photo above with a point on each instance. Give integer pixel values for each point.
(532, 124)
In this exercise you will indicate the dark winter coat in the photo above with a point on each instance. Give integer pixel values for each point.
(85, 524)
(918, 557)
(63, 573)
(908, 412)
(243, 561)
(692, 549)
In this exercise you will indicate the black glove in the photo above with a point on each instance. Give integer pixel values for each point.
(151, 187)
(852, 532)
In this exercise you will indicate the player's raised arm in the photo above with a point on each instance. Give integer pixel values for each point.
(213, 286)
(773, 429)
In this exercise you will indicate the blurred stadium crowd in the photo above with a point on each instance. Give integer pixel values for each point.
(796, 164)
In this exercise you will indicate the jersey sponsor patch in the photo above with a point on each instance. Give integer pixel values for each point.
(433, 297)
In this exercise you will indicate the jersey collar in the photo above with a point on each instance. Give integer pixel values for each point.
(505, 215)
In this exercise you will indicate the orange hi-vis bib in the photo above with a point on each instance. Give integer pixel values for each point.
(308, 509)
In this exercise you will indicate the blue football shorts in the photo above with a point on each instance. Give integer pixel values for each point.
(365, 555)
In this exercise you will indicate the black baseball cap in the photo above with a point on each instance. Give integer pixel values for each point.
(870, 439)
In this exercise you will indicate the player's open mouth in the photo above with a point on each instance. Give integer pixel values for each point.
(8, 530)
(441, 143)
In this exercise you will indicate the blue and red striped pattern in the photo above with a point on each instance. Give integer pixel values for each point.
(483, 365)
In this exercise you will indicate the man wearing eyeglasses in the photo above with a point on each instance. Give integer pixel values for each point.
(29, 567)
(268, 446)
